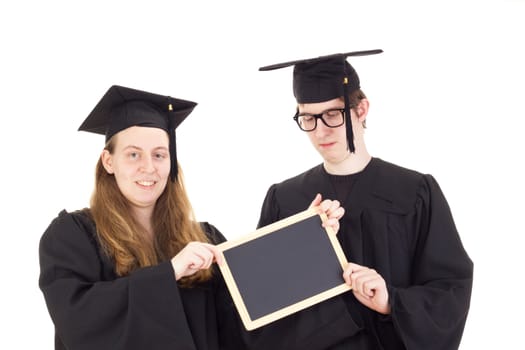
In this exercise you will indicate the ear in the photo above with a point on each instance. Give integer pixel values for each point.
(362, 109)
(107, 161)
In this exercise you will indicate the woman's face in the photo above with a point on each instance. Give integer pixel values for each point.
(140, 163)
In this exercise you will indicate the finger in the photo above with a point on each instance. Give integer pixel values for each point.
(202, 256)
(331, 208)
(332, 224)
(196, 261)
(218, 257)
(368, 285)
(326, 205)
(347, 273)
(354, 272)
(317, 200)
(334, 217)
(213, 254)
(346, 278)
(209, 258)
(336, 211)
(366, 281)
(192, 265)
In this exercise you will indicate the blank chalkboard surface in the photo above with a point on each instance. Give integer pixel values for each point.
(283, 268)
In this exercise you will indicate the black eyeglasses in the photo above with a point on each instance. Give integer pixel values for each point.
(332, 118)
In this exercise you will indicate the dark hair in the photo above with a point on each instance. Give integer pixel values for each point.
(355, 98)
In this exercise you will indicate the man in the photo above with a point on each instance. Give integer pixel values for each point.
(411, 278)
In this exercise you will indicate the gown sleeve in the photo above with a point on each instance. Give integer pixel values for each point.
(141, 311)
(431, 312)
(270, 208)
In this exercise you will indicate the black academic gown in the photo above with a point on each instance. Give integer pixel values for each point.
(92, 308)
(398, 222)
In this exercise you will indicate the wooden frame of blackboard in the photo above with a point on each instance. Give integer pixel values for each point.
(303, 267)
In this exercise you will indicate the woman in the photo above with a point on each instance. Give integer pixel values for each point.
(134, 271)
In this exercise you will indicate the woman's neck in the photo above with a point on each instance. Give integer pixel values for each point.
(143, 216)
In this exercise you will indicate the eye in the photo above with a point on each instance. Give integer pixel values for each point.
(332, 113)
(134, 155)
(307, 117)
(161, 155)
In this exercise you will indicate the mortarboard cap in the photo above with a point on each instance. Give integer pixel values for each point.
(122, 107)
(324, 78)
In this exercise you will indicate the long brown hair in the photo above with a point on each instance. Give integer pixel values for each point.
(125, 240)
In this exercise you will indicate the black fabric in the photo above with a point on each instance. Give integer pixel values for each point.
(92, 308)
(322, 78)
(343, 185)
(398, 222)
(121, 107)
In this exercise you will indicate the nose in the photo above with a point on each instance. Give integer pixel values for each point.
(321, 129)
(147, 165)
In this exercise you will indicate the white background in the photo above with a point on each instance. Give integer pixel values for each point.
(446, 98)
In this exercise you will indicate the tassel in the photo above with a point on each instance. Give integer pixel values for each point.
(173, 144)
(348, 117)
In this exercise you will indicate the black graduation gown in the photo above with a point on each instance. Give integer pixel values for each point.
(92, 308)
(398, 222)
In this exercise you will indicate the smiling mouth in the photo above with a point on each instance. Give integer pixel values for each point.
(146, 183)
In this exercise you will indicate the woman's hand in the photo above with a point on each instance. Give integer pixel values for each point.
(332, 209)
(193, 257)
(368, 286)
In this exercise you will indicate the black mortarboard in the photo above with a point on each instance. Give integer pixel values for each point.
(324, 78)
(122, 107)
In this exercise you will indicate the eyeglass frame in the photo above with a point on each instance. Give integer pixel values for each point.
(320, 116)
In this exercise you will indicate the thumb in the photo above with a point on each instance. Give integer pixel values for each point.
(317, 200)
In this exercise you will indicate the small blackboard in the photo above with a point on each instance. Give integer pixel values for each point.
(282, 268)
